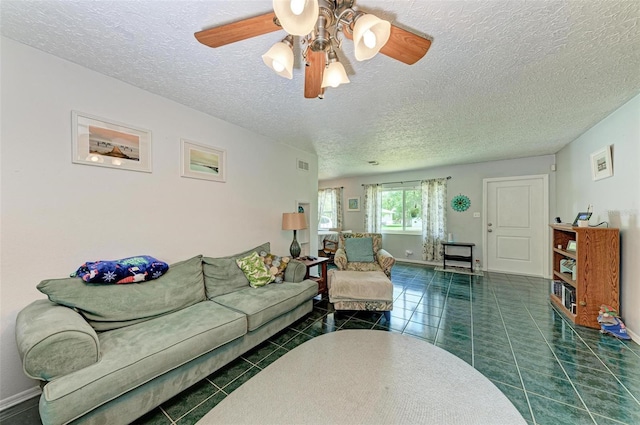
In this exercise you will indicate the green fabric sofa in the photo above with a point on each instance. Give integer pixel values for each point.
(107, 354)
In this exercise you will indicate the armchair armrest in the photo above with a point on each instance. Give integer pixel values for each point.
(340, 259)
(54, 340)
(386, 261)
(295, 271)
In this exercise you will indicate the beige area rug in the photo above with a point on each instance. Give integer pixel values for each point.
(459, 270)
(366, 377)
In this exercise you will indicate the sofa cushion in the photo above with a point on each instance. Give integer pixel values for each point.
(268, 302)
(139, 353)
(113, 306)
(359, 249)
(222, 275)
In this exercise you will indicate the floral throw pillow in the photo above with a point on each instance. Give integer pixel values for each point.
(254, 269)
(276, 265)
(127, 270)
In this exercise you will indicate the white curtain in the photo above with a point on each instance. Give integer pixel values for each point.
(330, 204)
(434, 218)
(372, 208)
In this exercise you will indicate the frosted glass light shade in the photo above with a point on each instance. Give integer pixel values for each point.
(362, 31)
(334, 75)
(293, 23)
(280, 59)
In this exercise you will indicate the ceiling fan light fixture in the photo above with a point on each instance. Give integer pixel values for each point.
(297, 17)
(334, 74)
(280, 57)
(370, 34)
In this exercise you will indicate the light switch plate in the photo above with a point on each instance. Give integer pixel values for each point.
(476, 215)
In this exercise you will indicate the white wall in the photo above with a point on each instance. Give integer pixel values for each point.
(465, 179)
(55, 215)
(615, 200)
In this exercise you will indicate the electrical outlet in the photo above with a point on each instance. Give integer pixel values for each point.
(476, 215)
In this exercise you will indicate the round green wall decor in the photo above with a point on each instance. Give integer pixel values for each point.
(460, 203)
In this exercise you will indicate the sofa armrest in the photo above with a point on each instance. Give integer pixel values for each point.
(295, 271)
(54, 340)
(340, 259)
(386, 261)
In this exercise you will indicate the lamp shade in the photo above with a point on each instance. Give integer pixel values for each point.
(370, 34)
(297, 17)
(334, 75)
(294, 221)
(280, 59)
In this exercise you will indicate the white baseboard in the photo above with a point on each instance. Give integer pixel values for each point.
(634, 336)
(19, 398)
(424, 263)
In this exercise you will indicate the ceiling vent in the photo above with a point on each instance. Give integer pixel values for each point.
(303, 166)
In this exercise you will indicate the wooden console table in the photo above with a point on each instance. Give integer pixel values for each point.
(321, 262)
(463, 258)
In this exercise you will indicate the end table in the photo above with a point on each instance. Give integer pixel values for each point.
(321, 262)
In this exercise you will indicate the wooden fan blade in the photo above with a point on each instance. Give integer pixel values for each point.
(402, 45)
(313, 74)
(238, 31)
(405, 46)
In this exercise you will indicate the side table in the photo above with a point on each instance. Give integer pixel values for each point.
(467, 258)
(321, 262)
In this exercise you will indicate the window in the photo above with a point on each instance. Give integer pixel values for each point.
(329, 208)
(401, 210)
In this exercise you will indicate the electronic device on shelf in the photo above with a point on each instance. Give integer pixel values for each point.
(581, 216)
(568, 265)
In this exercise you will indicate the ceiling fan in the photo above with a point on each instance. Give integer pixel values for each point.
(319, 23)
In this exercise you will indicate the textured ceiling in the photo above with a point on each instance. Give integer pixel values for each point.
(503, 79)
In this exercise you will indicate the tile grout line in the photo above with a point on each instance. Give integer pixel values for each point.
(473, 357)
(599, 359)
(504, 325)
(559, 362)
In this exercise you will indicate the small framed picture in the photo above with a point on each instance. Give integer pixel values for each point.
(353, 204)
(106, 143)
(203, 162)
(571, 246)
(601, 166)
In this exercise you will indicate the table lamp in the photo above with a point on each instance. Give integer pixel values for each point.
(295, 222)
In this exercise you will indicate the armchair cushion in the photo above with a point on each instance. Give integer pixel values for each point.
(383, 260)
(359, 249)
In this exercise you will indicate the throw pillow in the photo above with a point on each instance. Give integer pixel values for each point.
(359, 250)
(127, 270)
(254, 269)
(276, 265)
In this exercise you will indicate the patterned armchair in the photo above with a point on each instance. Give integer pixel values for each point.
(383, 261)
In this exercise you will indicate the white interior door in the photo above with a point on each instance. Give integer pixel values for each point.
(515, 231)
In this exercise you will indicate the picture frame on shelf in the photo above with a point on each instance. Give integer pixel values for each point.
(571, 246)
(353, 204)
(601, 165)
(203, 162)
(103, 142)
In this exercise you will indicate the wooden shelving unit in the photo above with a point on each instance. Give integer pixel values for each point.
(597, 280)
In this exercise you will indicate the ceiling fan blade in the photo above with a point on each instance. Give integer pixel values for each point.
(238, 31)
(405, 46)
(402, 45)
(313, 74)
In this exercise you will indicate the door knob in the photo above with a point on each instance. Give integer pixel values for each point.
(489, 224)
(490, 230)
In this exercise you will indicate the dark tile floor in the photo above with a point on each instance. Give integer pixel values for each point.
(503, 325)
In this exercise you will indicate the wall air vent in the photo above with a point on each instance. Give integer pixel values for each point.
(303, 166)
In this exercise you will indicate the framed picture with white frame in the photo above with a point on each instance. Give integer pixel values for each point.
(601, 166)
(353, 204)
(203, 162)
(106, 143)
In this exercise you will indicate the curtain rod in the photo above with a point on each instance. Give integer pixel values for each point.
(404, 181)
